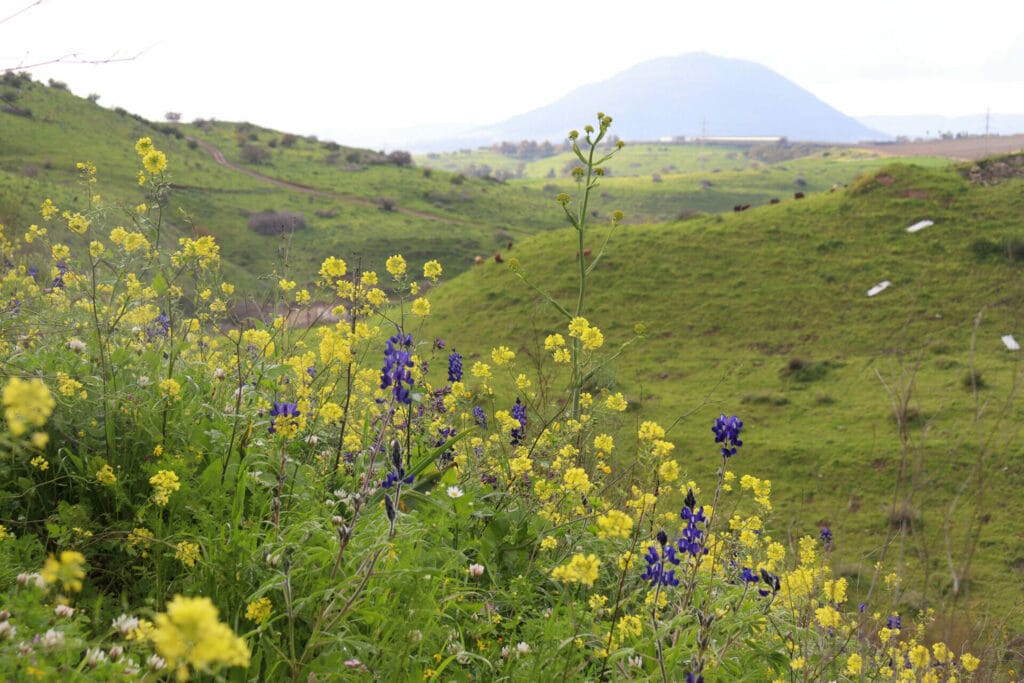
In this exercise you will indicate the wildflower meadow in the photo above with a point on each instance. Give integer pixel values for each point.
(190, 495)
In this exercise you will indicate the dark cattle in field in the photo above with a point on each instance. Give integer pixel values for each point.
(737, 208)
(773, 200)
(798, 195)
(744, 207)
(497, 257)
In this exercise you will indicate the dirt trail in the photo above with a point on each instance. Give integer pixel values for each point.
(218, 156)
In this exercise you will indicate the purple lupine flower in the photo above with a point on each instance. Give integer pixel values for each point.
(692, 539)
(727, 431)
(893, 623)
(771, 581)
(454, 366)
(479, 417)
(519, 413)
(282, 409)
(749, 576)
(657, 560)
(397, 361)
(32, 272)
(826, 537)
(58, 282)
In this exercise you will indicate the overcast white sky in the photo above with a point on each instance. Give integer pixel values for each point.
(358, 71)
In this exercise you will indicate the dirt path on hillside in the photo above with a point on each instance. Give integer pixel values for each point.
(218, 156)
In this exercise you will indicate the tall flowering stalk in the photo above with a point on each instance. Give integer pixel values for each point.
(584, 337)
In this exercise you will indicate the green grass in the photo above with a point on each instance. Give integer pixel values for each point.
(765, 314)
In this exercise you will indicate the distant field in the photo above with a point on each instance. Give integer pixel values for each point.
(964, 149)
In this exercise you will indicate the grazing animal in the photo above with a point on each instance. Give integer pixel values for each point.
(798, 195)
(497, 257)
(744, 207)
(587, 253)
(479, 260)
(773, 200)
(509, 246)
(737, 208)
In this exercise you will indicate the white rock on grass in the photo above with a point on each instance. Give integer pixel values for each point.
(920, 225)
(1010, 342)
(879, 287)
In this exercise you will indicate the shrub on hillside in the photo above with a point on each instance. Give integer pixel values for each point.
(254, 154)
(276, 222)
(400, 158)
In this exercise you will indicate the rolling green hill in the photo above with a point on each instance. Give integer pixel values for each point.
(762, 313)
(765, 314)
(358, 204)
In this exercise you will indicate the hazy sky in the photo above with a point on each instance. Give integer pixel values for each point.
(357, 72)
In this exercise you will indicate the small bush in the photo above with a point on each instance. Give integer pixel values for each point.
(386, 203)
(255, 154)
(804, 370)
(400, 158)
(904, 516)
(276, 222)
(457, 179)
(24, 112)
(972, 379)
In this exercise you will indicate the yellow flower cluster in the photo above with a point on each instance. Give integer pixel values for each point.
(580, 569)
(204, 251)
(555, 343)
(187, 553)
(432, 270)
(614, 524)
(105, 475)
(258, 611)
(191, 637)
(26, 403)
(68, 570)
(590, 336)
(502, 355)
(395, 265)
(153, 160)
(164, 482)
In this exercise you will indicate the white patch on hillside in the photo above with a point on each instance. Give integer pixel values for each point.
(1010, 342)
(879, 287)
(920, 225)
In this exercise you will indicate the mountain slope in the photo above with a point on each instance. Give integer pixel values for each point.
(689, 95)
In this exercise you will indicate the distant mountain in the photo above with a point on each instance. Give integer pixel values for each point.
(687, 95)
(928, 126)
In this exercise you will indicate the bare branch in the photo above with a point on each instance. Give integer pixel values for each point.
(21, 11)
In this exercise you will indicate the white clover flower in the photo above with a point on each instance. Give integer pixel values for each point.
(522, 648)
(156, 663)
(476, 570)
(125, 624)
(7, 630)
(52, 639)
(94, 656)
(64, 611)
(76, 345)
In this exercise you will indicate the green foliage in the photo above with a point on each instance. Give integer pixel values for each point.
(495, 552)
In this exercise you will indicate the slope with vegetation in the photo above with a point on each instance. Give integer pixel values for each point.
(893, 419)
(890, 421)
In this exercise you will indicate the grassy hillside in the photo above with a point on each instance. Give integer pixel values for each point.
(766, 314)
(357, 203)
(429, 214)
